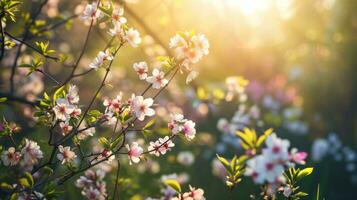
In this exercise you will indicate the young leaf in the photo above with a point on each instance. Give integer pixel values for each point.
(305, 172)
(174, 184)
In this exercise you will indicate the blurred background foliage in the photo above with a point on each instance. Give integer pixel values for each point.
(309, 45)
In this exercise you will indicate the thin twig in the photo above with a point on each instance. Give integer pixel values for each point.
(31, 47)
(116, 181)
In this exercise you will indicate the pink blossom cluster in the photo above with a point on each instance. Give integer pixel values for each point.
(29, 155)
(180, 125)
(92, 184)
(157, 79)
(269, 166)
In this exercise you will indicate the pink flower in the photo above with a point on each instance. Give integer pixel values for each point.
(189, 129)
(298, 157)
(72, 96)
(91, 11)
(141, 69)
(161, 146)
(100, 59)
(157, 79)
(113, 105)
(63, 109)
(134, 152)
(141, 107)
(66, 128)
(10, 157)
(133, 37)
(65, 154)
(194, 194)
(176, 123)
(31, 152)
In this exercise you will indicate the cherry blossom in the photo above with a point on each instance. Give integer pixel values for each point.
(277, 149)
(72, 95)
(100, 59)
(93, 185)
(91, 12)
(65, 127)
(194, 194)
(10, 157)
(157, 79)
(133, 37)
(65, 154)
(117, 16)
(63, 109)
(113, 105)
(161, 146)
(189, 129)
(176, 123)
(134, 152)
(141, 107)
(141, 69)
(31, 152)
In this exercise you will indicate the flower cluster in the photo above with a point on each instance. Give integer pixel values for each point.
(270, 165)
(161, 146)
(189, 48)
(157, 80)
(178, 124)
(67, 108)
(29, 155)
(92, 185)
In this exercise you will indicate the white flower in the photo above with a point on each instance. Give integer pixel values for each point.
(134, 152)
(255, 168)
(100, 59)
(201, 43)
(185, 158)
(85, 133)
(91, 12)
(161, 146)
(141, 107)
(189, 129)
(133, 37)
(176, 123)
(319, 149)
(31, 152)
(63, 109)
(10, 157)
(157, 79)
(65, 127)
(65, 154)
(117, 16)
(72, 95)
(191, 76)
(190, 48)
(141, 69)
(277, 149)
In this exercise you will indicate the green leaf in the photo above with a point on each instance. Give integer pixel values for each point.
(29, 177)
(225, 163)
(24, 182)
(104, 141)
(6, 186)
(305, 172)
(58, 93)
(3, 99)
(149, 124)
(174, 184)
